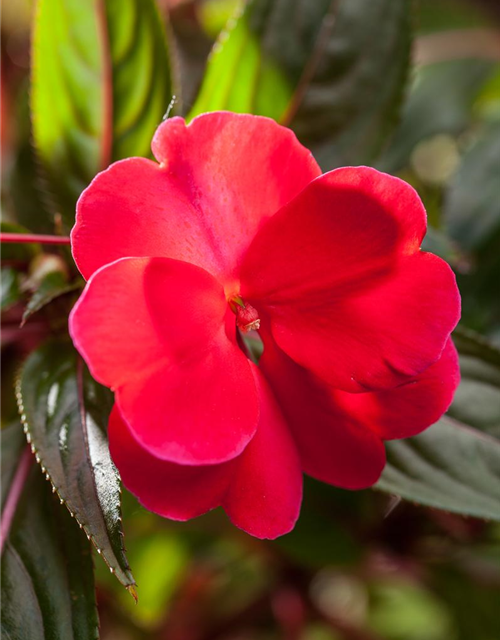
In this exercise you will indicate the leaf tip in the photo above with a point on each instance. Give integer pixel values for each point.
(131, 588)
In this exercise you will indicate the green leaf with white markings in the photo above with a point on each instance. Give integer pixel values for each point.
(10, 292)
(101, 83)
(65, 413)
(455, 464)
(332, 70)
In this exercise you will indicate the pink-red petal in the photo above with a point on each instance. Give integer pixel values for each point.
(155, 330)
(260, 490)
(266, 492)
(339, 434)
(178, 492)
(217, 180)
(409, 409)
(333, 446)
(347, 293)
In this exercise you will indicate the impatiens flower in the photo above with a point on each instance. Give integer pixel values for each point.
(234, 229)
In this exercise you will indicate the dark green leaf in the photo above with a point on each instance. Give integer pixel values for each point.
(472, 207)
(9, 288)
(477, 400)
(470, 343)
(65, 413)
(450, 466)
(472, 219)
(440, 102)
(48, 588)
(53, 285)
(450, 15)
(333, 70)
(101, 84)
(29, 204)
(13, 441)
(455, 464)
(439, 243)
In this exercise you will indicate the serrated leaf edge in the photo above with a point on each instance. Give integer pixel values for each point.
(24, 422)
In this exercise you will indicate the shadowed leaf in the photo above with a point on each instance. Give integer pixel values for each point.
(455, 464)
(65, 413)
(47, 575)
(333, 70)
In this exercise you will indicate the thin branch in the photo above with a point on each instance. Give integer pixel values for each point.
(32, 237)
(15, 491)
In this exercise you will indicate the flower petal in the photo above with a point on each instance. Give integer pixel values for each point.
(175, 491)
(409, 409)
(347, 292)
(261, 490)
(157, 332)
(333, 446)
(218, 179)
(265, 494)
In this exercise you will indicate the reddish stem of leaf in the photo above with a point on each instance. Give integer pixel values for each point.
(15, 491)
(107, 87)
(32, 237)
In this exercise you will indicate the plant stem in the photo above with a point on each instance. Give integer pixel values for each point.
(15, 491)
(31, 237)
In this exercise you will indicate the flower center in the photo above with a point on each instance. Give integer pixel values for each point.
(247, 317)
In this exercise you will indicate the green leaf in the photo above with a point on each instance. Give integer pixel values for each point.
(455, 464)
(332, 70)
(13, 442)
(48, 588)
(53, 285)
(440, 101)
(449, 466)
(470, 343)
(477, 400)
(64, 413)
(472, 206)
(472, 219)
(435, 241)
(101, 83)
(9, 288)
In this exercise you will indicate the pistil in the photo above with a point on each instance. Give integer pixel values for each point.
(247, 317)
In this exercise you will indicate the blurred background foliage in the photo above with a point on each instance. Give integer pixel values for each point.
(358, 566)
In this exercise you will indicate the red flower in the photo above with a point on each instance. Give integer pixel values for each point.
(237, 229)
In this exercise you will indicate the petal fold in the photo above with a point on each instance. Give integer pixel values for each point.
(409, 409)
(339, 434)
(159, 333)
(347, 292)
(333, 446)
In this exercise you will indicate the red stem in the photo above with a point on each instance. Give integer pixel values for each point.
(15, 491)
(32, 237)
(107, 87)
